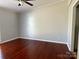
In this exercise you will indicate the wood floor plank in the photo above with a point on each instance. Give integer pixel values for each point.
(32, 49)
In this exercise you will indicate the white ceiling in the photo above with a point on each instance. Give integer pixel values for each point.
(13, 4)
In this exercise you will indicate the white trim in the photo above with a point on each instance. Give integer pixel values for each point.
(42, 40)
(71, 26)
(71, 22)
(32, 39)
(1, 42)
(37, 40)
(69, 2)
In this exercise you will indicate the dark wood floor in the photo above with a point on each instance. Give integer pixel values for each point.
(31, 49)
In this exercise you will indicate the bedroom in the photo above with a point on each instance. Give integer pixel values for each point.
(45, 21)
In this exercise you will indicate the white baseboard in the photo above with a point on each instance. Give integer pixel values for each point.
(32, 39)
(35, 39)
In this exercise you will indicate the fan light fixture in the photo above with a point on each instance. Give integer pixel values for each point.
(20, 3)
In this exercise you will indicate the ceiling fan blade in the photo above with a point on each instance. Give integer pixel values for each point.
(27, 0)
(29, 3)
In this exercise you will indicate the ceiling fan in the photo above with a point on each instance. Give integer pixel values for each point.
(25, 1)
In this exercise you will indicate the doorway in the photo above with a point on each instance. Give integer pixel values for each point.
(76, 30)
(73, 26)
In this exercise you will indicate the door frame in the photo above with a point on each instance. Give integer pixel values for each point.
(71, 23)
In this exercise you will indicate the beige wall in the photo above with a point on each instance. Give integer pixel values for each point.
(46, 23)
(8, 24)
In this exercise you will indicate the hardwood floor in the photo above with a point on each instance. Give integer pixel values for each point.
(31, 49)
